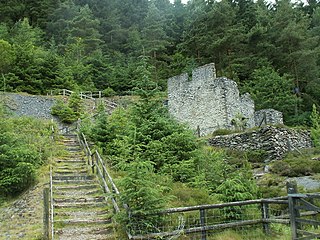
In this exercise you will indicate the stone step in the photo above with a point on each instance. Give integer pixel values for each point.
(86, 229)
(81, 213)
(70, 167)
(84, 217)
(73, 177)
(79, 200)
(86, 233)
(79, 205)
(71, 161)
(88, 186)
(71, 171)
(70, 136)
(67, 182)
(86, 237)
(73, 141)
(69, 193)
(73, 149)
(83, 221)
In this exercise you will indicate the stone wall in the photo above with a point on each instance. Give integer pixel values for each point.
(268, 116)
(276, 141)
(208, 102)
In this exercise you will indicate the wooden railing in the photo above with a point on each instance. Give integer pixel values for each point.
(205, 218)
(51, 206)
(48, 212)
(96, 163)
(86, 95)
(304, 215)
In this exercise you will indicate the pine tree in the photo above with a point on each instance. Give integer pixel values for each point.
(84, 27)
(315, 129)
(270, 90)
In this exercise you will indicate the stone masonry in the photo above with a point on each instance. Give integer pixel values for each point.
(208, 103)
(276, 141)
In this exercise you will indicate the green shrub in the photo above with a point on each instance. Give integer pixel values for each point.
(24, 147)
(220, 132)
(295, 167)
(68, 112)
(184, 195)
(142, 195)
(109, 92)
(257, 156)
(315, 129)
(236, 188)
(272, 185)
(15, 180)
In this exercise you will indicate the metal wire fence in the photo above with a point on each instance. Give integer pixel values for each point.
(198, 222)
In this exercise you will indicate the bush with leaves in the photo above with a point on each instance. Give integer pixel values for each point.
(142, 196)
(271, 90)
(24, 147)
(315, 129)
(146, 126)
(68, 112)
(237, 187)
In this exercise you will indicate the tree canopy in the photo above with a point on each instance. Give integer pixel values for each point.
(97, 45)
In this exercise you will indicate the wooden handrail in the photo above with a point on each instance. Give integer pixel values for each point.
(86, 95)
(279, 200)
(102, 171)
(115, 204)
(51, 206)
(114, 187)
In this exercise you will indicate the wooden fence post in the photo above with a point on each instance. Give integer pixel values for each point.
(46, 213)
(294, 213)
(203, 224)
(103, 173)
(265, 215)
(92, 162)
(198, 131)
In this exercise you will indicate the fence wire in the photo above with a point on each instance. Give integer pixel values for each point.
(201, 223)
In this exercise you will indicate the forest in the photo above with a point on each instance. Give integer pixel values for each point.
(270, 49)
(131, 48)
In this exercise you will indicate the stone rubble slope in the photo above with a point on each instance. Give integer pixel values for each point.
(30, 105)
(80, 207)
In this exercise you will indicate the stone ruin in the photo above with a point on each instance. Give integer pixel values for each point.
(275, 141)
(207, 103)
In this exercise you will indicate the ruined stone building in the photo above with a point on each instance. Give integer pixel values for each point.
(207, 103)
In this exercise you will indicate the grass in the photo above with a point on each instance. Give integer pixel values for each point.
(297, 164)
(279, 232)
(252, 234)
(24, 223)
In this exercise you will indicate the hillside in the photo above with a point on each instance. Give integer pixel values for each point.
(175, 180)
(110, 46)
(22, 217)
(29, 105)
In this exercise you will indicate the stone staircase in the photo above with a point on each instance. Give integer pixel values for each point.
(80, 208)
